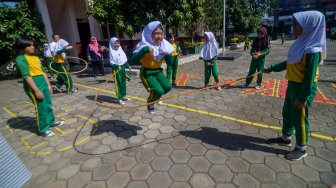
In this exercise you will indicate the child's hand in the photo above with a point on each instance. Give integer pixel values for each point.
(151, 50)
(299, 104)
(39, 94)
(68, 47)
(266, 71)
(50, 89)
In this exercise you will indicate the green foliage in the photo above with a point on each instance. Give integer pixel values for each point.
(16, 22)
(131, 16)
(240, 18)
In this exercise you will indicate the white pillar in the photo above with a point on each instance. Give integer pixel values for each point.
(94, 26)
(69, 23)
(43, 9)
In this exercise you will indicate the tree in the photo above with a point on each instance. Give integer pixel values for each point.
(15, 22)
(213, 20)
(131, 16)
(240, 18)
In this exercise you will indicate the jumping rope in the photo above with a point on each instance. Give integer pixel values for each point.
(226, 85)
(76, 72)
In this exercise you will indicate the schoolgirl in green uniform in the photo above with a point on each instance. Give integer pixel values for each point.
(259, 50)
(152, 50)
(172, 68)
(63, 78)
(209, 53)
(36, 85)
(302, 72)
(118, 60)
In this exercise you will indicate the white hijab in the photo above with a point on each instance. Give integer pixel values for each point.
(209, 49)
(117, 56)
(46, 52)
(161, 50)
(313, 38)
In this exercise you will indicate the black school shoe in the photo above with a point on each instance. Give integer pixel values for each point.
(296, 155)
(279, 141)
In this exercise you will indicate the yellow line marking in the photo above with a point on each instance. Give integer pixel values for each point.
(277, 89)
(334, 85)
(218, 115)
(59, 130)
(9, 112)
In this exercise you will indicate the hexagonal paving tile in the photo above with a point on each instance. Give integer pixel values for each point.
(216, 157)
(290, 180)
(159, 179)
(318, 164)
(246, 180)
(262, 173)
(161, 163)
(221, 173)
(180, 172)
(180, 156)
(163, 149)
(252, 156)
(137, 184)
(103, 172)
(305, 172)
(141, 172)
(238, 165)
(326, 154)
(277, 164)
(200, 180)
(180, 118)
(145, 156)
(196, 149)
(118, 180)
(166, 129)
(151, 133)
(125, 163)
(180, 143)
(199, 164)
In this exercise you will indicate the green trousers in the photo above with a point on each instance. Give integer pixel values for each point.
(44, 111)
(63, 78)
(294, 118)
(256, 65)
(172, 69)
(48, 61)
(120, 81)
(208, 70)
(246, 47)
(155, 82)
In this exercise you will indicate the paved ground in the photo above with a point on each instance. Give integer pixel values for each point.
(206, 139)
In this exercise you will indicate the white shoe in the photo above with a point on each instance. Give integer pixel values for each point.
(121, 102)
(126, 99)
(160, 103)
(219, 88)
(57, 89)
(48, 133)
(258, 87)
(58, 124)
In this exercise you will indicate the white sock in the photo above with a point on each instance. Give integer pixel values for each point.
(286, 137)
(301, 148)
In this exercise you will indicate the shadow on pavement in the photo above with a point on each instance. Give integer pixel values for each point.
(103, 98)
(23, 123)
(231, 141)
(119, 128)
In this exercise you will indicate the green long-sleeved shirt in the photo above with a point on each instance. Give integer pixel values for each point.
(305, 72)
(148, 60)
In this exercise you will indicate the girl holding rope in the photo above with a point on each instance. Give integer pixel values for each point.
(302, 72)
(63, 78)
(118, 60)
(209, 55)
(260, 48)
